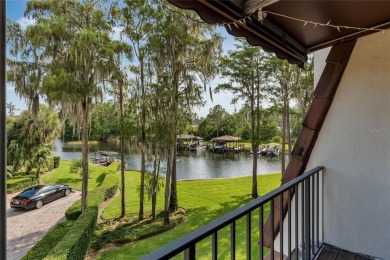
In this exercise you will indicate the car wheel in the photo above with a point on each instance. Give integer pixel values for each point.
(38, 204)
(67, 192)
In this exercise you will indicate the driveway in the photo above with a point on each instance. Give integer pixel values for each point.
(27, 227)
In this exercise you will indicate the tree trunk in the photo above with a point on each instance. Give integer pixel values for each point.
(288, 127)
(38, 175)
(254, 149)
(284, 136)
(84, 152)
(154, 183)
(154, 202)
(143, 145)
(174, 204)
(167, 190)
(257, 143)
(123, 204)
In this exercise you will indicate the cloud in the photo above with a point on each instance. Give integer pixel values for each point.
(25, 22)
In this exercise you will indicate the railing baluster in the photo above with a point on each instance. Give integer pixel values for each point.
(312, 215)
(289, 223)
(261, 224)
(281, 226)
(318, 209)
(272, 228)
(296, 220)
(248, 236)
(190, 253)
(215, 245)
(233, 240)
(307, 218)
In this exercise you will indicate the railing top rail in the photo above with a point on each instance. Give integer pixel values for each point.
(199, 234)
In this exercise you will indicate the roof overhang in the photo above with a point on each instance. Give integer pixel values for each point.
(290, 34)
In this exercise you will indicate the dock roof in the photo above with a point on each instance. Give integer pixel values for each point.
(226, 138)
(188, 137)
(185, 137)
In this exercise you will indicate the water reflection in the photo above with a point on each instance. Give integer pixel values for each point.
(190, 165)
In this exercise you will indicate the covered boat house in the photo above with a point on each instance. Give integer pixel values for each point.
(184, 141)
(226, 143)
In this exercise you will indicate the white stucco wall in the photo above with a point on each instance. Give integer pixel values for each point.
(354, 147)
(319, 63)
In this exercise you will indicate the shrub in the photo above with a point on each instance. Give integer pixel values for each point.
(276, 139)
(10, 171)
(50, 164)
(76, 166)
(77, 241)
(130, 231)
(41, 249)
(56, 161)
(20, 183)
(95, 198)
(74, 211)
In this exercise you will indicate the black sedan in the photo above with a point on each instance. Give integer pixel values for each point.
(39, 195)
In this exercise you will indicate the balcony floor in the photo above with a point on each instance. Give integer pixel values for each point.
(329, 252)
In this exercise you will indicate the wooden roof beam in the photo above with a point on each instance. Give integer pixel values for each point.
(254, 5)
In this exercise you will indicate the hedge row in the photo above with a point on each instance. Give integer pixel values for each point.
(76, 242)
(108, 189)
(56, 162)
(41, 249)
(21, 185)
(49, 165)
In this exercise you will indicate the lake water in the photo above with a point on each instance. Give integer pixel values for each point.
(190, 165)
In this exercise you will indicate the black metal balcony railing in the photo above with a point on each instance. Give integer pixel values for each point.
(302, 198)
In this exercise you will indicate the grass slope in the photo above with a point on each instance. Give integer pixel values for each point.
(62, 175)
(203, 200)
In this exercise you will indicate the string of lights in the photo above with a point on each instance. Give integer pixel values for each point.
(261, 16)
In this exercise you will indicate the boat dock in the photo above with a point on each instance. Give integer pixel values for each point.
(226, 144)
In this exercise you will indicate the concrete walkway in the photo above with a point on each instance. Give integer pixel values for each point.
(27, 227)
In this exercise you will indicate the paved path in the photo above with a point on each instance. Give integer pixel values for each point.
(27, 227)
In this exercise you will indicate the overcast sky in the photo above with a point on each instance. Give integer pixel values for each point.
(15, 11)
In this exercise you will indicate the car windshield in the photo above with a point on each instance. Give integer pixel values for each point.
(32, 191)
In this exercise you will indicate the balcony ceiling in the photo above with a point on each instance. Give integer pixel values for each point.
(288, 38)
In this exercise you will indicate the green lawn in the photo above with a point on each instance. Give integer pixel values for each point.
(203, 200)
(62, 175)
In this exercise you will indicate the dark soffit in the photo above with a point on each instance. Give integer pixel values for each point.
(290, 39)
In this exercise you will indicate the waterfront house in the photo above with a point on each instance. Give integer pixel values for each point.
(342, 208)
